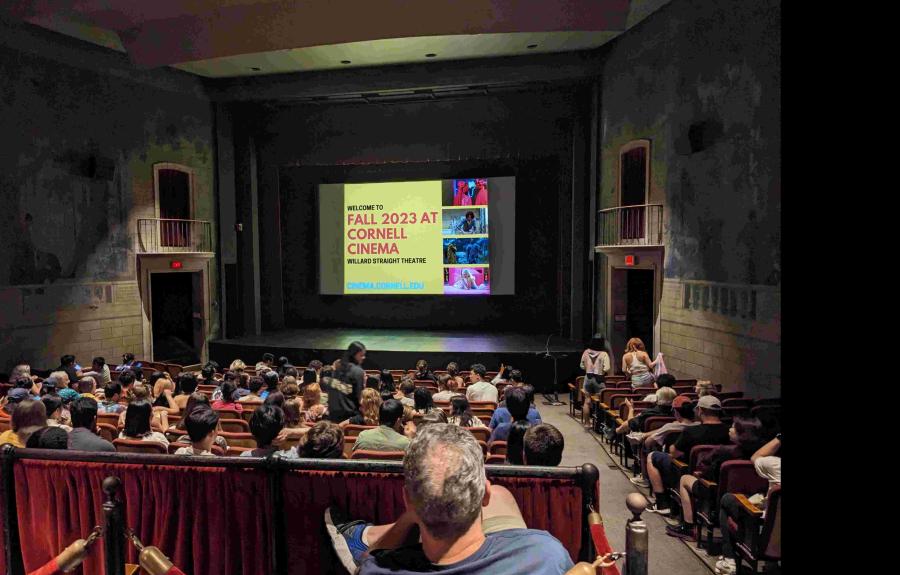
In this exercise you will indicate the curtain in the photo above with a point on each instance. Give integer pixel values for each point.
(207, 520)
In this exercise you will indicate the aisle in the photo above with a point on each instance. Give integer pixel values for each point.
(667, 554)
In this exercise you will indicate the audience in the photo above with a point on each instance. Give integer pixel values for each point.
(294, 418)
(128, 363)
(49, 438)
(137, 423)
(543, 445)
(518, 405)
(369, 408)
(68, 365)
(325, 440)
(268, 360)
(422, 371)
(265, 425)
(256, 385)
(86, 387)
(407, 388)
(310, 376)
(422, 401)
(344, 388)
(202, 424)
(54, 406)
(663, 408)
(479, 389)
(270, 378)
(29, 416)
(99, 370)
(463, 520)
(112, 397)
(444, 393)
(502, 415)
(12, 400)
(313, 408)
(387, 436)
(84, 422)
(461, 413)
(185, 385)
(227, 401)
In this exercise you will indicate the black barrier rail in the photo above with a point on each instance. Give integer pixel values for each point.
(585, 476)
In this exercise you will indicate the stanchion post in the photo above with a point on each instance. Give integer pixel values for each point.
(636, 536)
(114, 532)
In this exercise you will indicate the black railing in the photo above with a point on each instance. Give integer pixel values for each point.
(630, 226)
(174, 236)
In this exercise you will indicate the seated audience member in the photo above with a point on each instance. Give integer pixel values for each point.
(443, 383)
(112, 396)
(453, 372)
(502, 415)
(22, 370)
(434, 416)
(660, 469)
(266, 363)
(422, 371)
(325, 440)
(34, 388)
(387, 436)
(746, 439)
(479, 389)
(405, 394)
(86, 387)
(515, 437)
(289, 388)
(29, 416)
(466, 524)
(387, 381)
(461, 413)
(543, 444)
(162, 389)
(99, 370)
(185, 385)
(664, 380)
(159, 420)
(270, 378)
(12, 400)
(768, 466)
(502, 375)
(84, 422)
(126, 380)
(137, 423)
(284, 364)
(208, 375)
(265, 425)
(517, 404)
(49, 438)
(227, 401)
(237, 366)
(309, 376)
(373, 382)
(67, 396)
(369, 407)
(275, 398)
(683, 410)
(128, 363)
(202, 426)
(316, 366)
(663, 408)
(422, 401)
(73, 370)
(256, 385)
(53, 404)
(294, 418)
(313, 408)
(196, 400)
(229, 377)
(704, 388)
(61, 378)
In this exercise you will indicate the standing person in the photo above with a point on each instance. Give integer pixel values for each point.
(345, 387)
(596, 365)
(637, 364)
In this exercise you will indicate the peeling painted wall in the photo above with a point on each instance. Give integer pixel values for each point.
(702, 81)
(76, 172)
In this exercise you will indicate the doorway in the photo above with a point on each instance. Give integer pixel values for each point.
(176, 300)
(174, 205)
(632, 306)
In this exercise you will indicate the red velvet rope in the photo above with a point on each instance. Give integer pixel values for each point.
(51, 568)
(174, 571)
(598, 534)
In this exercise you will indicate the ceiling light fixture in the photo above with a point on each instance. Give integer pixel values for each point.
(430, 55)
(531, 46)
(345, 61)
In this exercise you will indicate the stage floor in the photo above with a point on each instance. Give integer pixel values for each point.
(407, 340)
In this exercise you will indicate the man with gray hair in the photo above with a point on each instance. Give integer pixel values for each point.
(466, 524)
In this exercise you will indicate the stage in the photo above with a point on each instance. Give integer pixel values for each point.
(400, 348)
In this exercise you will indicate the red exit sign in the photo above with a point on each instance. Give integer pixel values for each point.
(176, 265)
(630, 260)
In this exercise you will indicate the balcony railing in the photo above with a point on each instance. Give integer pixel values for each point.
(159, 236)
(630, 226)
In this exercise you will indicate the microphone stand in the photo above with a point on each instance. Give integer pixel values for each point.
(554, 401)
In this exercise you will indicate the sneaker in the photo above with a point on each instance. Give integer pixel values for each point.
(726, 566)
(654, 508)
(346, 538)
(672, 520)
(682, 531)
(640, 481)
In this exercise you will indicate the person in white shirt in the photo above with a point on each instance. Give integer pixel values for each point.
(202, 426)
(447, 387)
(479, 389)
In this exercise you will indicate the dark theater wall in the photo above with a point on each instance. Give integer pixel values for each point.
(531, 135)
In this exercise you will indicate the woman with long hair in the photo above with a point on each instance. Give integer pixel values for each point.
(746, 435)
(369, 407)
(137, 423)
(423, 400)
(387, 381)
(227, 401)
(313, 408)
(461, 413)
(637, 364)
(515, 442)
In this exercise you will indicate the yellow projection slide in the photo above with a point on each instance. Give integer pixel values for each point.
(392, 238)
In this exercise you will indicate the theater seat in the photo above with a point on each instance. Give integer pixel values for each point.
(234, 425)
(480, 433)
(107, 431)
(495, 459)
(109, 418)
(235, 451)
(352, 430)
(369, 454)
(239, 439)
(228, 414)
(5, 424)
(138, 446)
(497, 448)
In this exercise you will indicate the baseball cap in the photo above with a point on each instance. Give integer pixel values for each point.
(680, 400)
(68, 394)
(709, 402)
(18, 394)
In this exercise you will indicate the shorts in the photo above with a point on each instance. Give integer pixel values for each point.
(593, 384)
(663, 463)
(502, 523)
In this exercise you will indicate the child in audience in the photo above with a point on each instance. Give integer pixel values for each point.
(202, 424)
(265, 425)
(324, 441)
(461, 413)
(137, 423)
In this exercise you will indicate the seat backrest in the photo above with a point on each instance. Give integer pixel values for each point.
(353, 430)
(697, 452)
(491, 405)
(371, 454)
(723, 395)
(107, 431)
(495, 459)
(643, 391)
(739, 476)
(109, 418)
(655, 422)
(607, 393)
(239, 439)
(618, 399)
(139, 446)
(480, 433)
(235, 450)
(349, 442)
(228, 414)
(234, 425)
(771, 533)
(497, 448)
(737, 402)
(5, 424)
(485, 419)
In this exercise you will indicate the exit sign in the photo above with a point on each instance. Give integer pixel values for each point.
(630, 260)
(175, 265)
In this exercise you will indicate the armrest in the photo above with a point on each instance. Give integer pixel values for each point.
(748, 509)
(681, 465)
